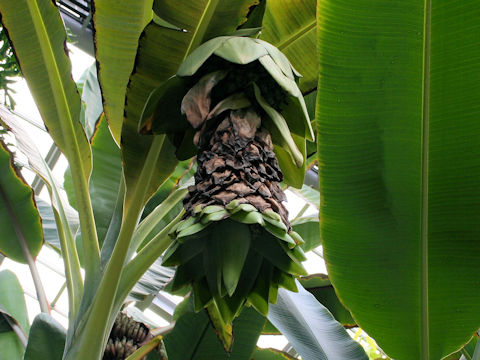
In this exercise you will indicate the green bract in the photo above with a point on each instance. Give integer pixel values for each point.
(257, 257)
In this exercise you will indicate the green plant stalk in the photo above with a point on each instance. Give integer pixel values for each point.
(87, 225)
(71, 262)
(57, 297)
(145, 258)
(149, 223)
(112, 234)
(42, 299)
(302, 211)
(91, 338)
(74, 286)
(145, 349)
(72, 151)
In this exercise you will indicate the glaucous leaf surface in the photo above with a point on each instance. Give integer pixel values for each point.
(311, 328)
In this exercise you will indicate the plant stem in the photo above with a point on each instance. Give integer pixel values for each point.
(71, 263)
(93, 334)
(60, 292)
(87, 225)
(302, 211)
(149, 223)
(51, 159)
(144, 259)
(42, 299)
(163, 330)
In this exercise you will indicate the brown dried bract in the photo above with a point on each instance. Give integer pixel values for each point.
(236, 162)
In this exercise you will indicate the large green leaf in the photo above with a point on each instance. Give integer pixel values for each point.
(203, 20)
(291, 26)
(12, 305)
(399, 150)
(46, 339)
(116, 54)
(194, 337)
(19, 219)
(38, 37)
(311, 328)
(49, 224)
(91, 96)
(11, 348)
(154, 280)
(107, 167)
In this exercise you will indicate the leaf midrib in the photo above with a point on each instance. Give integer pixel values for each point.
(201, 27)
(297, 35)
(425, 158)
(60, 97)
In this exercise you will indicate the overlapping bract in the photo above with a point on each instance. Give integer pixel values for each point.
(230, 263)
(235, 245)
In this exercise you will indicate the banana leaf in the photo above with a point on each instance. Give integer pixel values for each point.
(291, 26)
(399, 161)
(20, 221)
(320, 286)
(311, 328)
(116, 56)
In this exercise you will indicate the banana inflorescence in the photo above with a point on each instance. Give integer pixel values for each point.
(235, 245)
